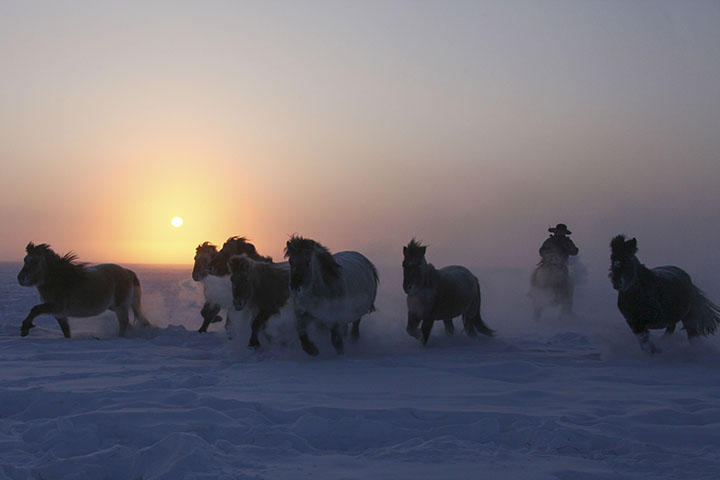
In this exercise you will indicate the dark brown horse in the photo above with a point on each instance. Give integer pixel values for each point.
(71, 289)
(439, 294)
(260, 287)
(657, 298)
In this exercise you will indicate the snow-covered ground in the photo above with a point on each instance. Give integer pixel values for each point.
(564, 398)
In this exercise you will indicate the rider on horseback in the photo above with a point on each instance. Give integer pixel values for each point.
(558, 246)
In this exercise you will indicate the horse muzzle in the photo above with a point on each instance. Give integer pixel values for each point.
(238, 304)
(23, 281)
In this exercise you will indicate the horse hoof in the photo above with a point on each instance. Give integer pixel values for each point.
(413, 333)
(24, 333)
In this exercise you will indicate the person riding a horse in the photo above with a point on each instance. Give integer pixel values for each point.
(558, 245)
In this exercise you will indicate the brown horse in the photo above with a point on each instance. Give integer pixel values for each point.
(71, 289)
(261, 288)
(439, 294)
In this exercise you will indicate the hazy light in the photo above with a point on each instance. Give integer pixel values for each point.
(176, 222)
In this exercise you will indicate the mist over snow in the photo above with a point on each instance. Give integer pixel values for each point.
(557, 398)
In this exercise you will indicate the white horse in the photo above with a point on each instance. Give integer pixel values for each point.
(332, 290)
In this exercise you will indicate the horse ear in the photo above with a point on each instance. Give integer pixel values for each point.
(633, 245)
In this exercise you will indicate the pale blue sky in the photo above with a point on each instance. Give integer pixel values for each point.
(472, 125)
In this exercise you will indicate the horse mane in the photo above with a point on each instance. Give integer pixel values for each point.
(328, 266)
(619, 245)
(206, 247)
(415, 249)
(241, 245)
(64, 269)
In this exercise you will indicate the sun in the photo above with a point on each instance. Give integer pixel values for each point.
(176, 222)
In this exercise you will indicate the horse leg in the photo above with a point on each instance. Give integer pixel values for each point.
(257, 324)
(646, 344)
(427, 325)
(449, 327)
(40, 309)
(412, 325)
(303, 319)
(337, 339)
(355, 332)
(209, 314)
(64, 326)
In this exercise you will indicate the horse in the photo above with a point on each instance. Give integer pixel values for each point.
(550, 284)
(657, 298)
(68, 288)
(439, 294)
(211, 268)
(261, 287)
(212, 286)
(330, 289)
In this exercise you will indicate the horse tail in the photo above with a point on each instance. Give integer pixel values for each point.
(137, 300)
(478, 322)
(704, 315)
(377, 281)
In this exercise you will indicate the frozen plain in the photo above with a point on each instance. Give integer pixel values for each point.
(558, 398)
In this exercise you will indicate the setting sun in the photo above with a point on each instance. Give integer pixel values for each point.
(176, 222)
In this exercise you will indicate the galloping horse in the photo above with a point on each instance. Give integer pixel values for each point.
(212, 269)
(71, 289)
(331, 289)
(439, 294)
(657, 298)
(213, 291)
(551, 285)
(260, 287)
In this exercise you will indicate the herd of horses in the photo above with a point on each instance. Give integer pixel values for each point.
(334, 291)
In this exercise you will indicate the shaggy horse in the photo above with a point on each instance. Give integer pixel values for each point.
(71, 289)
(330, 289)
(657, 298)
(439, 294)
(212, 270)
(260, 287)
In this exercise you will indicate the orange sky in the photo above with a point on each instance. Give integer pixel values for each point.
(471, 125)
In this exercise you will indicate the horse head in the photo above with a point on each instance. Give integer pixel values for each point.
(204, 253)
(308, 260)
(623, 263)
(241, 271)
(34, 270)
(413, 264)
(233, 246)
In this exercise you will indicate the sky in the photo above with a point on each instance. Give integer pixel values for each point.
(473, 126)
